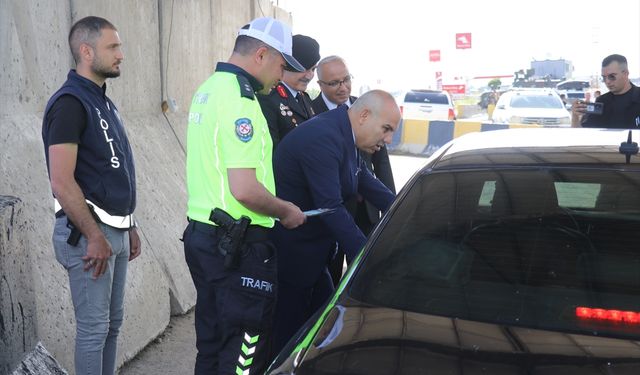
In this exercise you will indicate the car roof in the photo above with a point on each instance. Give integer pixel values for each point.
(421, 91)
(531, 91)
(535, 146)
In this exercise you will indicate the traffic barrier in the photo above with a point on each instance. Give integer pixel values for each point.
(423, 137)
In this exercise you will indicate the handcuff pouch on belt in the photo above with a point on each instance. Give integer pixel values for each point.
(232, 240)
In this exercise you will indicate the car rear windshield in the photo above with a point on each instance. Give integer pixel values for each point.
(575, 95)
(426, 97)
(535, 101)
(541, 248)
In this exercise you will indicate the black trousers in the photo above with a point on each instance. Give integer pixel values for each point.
(296, 305)
(361, 216)
(234, 308)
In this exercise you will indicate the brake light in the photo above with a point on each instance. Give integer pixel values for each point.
(452, 115)
(604, 314)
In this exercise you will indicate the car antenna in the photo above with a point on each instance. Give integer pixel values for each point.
(628, 148)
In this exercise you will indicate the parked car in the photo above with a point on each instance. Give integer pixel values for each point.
(574, 90)
(533, 106)
(510, 252)
(573, 96)
(573, 85)
(426, 105)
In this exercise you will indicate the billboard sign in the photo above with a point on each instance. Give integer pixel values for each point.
(463, 40)
(455, 89)
(434, 55)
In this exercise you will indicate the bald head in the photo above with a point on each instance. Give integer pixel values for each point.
(327, 62)
(374, 117)
(377, 101)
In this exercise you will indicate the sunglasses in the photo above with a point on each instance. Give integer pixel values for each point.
(610, 77)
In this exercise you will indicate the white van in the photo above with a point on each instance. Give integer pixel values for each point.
(426, 105)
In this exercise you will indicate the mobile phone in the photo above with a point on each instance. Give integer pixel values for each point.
(595, 108)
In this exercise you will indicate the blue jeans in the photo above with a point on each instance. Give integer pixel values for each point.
(98, 303)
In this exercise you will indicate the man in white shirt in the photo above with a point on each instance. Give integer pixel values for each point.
(335, 83)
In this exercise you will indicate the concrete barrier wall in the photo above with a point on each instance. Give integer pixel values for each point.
(170, 47)
(422, 137)
(17, 299)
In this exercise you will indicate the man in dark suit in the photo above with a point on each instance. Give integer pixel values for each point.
(288, 105)
(318, 166)
(335, 83)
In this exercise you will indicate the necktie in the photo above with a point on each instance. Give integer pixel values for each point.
(300, 99)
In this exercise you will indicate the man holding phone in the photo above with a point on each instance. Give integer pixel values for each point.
(619, 108)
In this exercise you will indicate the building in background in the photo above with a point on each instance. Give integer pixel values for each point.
(554, 69)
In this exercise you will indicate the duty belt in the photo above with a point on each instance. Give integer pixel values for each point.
(115, 221)
(255, 233)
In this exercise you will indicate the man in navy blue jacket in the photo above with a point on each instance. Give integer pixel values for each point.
(93, 180)
(318, 166)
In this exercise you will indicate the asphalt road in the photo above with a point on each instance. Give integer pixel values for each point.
(172, 353)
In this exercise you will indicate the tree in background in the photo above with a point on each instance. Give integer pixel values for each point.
(495, 84)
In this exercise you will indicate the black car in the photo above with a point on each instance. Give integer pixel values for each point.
(511, 252)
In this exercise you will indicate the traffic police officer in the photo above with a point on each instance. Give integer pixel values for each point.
(229, 167)
(288, 105)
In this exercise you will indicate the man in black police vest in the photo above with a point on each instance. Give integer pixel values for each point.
(93, 181)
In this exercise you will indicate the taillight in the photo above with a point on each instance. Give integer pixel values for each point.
(605, 314)
(452, 115)
(401, 110)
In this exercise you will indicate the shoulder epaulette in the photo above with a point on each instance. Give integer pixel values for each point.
(246, 90)
(281, 91)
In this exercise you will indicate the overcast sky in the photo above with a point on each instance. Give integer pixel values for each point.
(387, 43)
